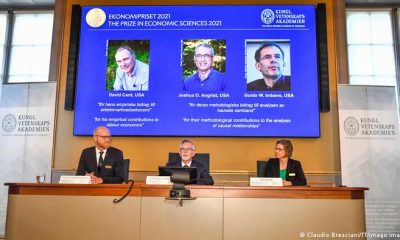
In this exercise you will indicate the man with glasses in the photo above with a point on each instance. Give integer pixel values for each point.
(187, 152)
(103, 163)
(206, 78)
(132, 74)
(270, 61)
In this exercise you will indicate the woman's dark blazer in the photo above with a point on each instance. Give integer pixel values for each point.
(294, 171)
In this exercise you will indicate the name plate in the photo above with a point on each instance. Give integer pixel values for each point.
(158, 180)
(266, 182)
(75, 179)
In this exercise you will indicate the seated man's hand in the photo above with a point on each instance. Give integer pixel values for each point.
(94, 179)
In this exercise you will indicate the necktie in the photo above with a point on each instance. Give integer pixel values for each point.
(185, 165)
(100, 161)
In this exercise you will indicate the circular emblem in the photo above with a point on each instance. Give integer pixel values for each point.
(9, 123)
(267, 16)
(95, 17)
(351, 126)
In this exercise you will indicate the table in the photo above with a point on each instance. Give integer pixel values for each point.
(75, 211)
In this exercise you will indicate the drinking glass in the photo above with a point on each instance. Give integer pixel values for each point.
(41, 178)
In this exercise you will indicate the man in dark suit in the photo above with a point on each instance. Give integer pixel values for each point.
(270, 61)
(103, 163)
(187, 152)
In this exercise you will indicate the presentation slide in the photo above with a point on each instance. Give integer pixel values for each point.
(240, 71)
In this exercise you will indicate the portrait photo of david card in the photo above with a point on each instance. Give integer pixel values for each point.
(268, 65)
(128, 65)
(204, 65)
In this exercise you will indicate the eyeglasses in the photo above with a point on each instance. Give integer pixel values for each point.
(104, 137)
(186, 149)
(203, 56)
(279, 149)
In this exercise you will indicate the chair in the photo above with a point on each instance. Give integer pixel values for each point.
(201, 157)
(261, 168)
(125, 167)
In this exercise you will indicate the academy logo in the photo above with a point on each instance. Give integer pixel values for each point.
(267, 16)
(9, 123)
(351, 126)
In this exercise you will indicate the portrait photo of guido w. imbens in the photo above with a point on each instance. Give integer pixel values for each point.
(268, 66)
